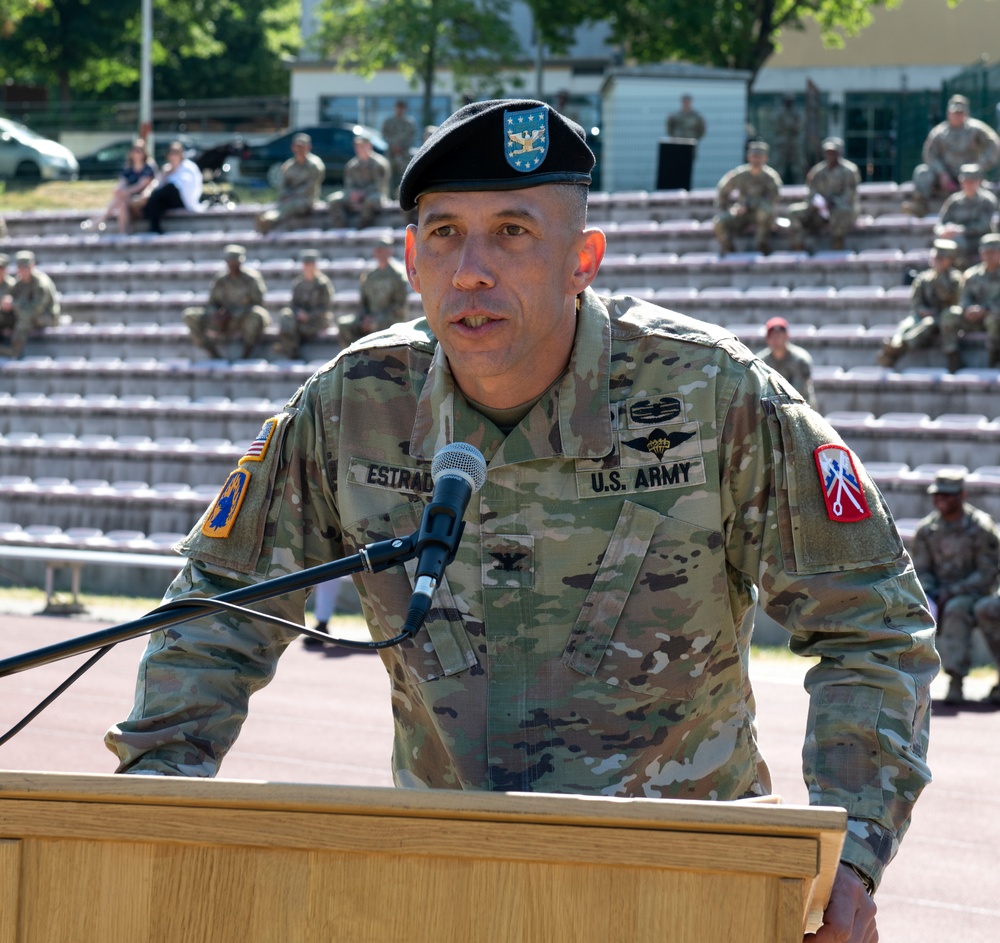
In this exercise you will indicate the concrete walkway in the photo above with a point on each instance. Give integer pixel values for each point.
(325, 719)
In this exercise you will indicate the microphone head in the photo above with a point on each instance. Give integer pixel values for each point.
(463, 460)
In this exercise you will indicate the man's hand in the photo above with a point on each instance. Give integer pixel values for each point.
(850, 915)
(947, 184)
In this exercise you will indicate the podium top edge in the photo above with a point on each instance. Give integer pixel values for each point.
(750, 816)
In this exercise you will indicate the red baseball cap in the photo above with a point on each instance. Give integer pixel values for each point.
(776, 323)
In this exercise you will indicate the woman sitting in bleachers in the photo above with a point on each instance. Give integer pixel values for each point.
(138, 177)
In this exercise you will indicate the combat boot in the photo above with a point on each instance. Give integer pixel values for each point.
(954, 359)
(954, 695)
(994, 696)
(889, 354)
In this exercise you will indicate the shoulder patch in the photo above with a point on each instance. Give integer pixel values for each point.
(220, 519)
(259, 446)
(843, 493)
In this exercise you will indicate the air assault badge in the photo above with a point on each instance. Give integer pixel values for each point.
(527, 138)
(843, 493)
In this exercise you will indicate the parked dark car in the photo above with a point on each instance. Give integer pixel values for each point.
(333, 144)
(107, 162)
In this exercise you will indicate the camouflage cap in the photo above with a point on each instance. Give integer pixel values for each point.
(990, 241)
(948, 481)
(958, 103)
(309, 255)
(302, 138)
(834, 144)
(503, 144)
(970, 170)
(945, 247)
(234, 252)
(25, 257)
(758, 147)
(384, 240)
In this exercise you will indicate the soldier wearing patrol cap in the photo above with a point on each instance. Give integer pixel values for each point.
(235, 307)
(648, 480)
(28, 306)
(747, 197)
(933, 292)
(302, 175)
(957, 140)
(832, 202)
(956, 553)
(978, 306)
(311, 310)
(967, 216)
(366, 187)
(383, 296)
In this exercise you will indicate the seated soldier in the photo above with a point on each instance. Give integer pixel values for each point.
(832, 204)
(967, 216)
(747, 197)
(27, 306)
(933, 292)
(311, 309)
(978, 307)
(301, 177)
(366, 185)
(384, 293)
(235, 307)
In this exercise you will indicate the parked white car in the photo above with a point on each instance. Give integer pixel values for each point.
(28, 156)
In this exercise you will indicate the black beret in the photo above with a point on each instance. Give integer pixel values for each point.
(504, 144)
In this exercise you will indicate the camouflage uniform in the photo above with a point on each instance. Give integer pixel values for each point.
(932, 294)
(592, 635)
(838, 186)
(796, 367)
(746, 199)
(686, 124)
(235, 309)
(787, 144)
(945, 150)
(982, 288)
(975, 217)
(384, 294)
(399, 131)
(314, 298)
(300, 183)
(961, 559)
(35, 304)
(369, 180)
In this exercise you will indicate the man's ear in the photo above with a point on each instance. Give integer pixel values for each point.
(409, 254)
(590, 255)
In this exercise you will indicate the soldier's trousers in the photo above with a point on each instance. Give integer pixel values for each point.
(247, 326)
(925, 183)
(987, 613)
(805, 217)
(954, 637)
(954, 324)
(20, 326)
(914, 332)
(284, 215)
(760, 219)
(367, 213)
(293, 333)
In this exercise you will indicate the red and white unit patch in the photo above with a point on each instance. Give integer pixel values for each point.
(843, 492)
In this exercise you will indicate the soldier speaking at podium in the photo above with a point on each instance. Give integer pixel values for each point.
(648, 479)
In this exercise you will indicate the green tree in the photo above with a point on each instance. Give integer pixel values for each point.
(472, 38)
(735, 34)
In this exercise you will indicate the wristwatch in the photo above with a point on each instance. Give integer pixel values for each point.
(866, 879)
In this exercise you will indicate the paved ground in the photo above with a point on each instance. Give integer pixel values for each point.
(326, 719)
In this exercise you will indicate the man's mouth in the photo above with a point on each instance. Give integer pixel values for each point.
(475, 321)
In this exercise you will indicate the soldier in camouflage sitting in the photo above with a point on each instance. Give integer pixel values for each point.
(747, 197)
(978, 308)
(648, 481)
(384, 292)
(933, 292)
(301, 177)
(27, 306)
(311, 309)
(400, 132)
(955, 141)
(967, 216)
(366, 186)
(235, 307)
(832, 203)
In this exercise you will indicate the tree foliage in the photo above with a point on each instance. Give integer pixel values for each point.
(472, 38)
(201, 48)
(735, 34)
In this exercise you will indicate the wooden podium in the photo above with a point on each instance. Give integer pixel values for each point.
(127, 859)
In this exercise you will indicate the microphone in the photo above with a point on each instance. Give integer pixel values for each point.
(458, 471)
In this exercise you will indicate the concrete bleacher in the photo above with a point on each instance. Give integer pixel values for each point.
(113, 424)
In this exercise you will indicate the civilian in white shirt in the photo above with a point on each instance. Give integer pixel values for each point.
(179, 188)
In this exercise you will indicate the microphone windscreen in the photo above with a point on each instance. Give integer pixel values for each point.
(460, 458)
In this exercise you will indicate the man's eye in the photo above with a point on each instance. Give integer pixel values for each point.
(512, 229)
(444, 231)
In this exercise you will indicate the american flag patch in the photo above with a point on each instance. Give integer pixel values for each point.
(843, 493)
(258, 448)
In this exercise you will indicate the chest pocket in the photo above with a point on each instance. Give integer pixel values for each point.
(442, 647)
(643, 627)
